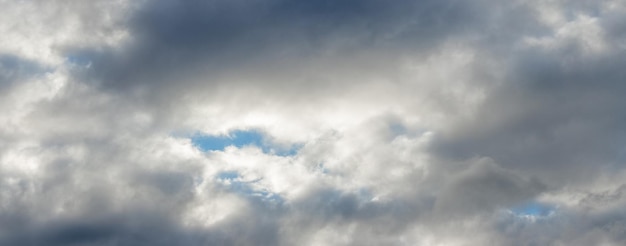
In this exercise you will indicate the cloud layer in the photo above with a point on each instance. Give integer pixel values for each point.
(294, 122)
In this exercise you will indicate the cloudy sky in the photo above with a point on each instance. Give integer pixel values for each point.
(313, 122)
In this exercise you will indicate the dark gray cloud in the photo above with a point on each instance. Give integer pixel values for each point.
(218, 38)
(485, 187)
(130, 228)
(558, 118)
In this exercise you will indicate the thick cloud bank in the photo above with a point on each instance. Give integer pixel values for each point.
(298, 122)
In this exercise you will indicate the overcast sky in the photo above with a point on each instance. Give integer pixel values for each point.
(313, 122)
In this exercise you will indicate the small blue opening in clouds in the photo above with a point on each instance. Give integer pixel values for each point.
(236, 138)
(534, 209)
(397, 129)
(289, 151)
(233, 183)
(231, 175)
(78, 59)
(241, 138)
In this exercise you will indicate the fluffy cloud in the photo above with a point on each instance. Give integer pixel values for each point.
(374, 123)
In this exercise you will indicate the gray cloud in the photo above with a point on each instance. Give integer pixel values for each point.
(554, 118)
(485, 187)
(218, 38)
(131, 228)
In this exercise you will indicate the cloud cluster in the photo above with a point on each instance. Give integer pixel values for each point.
(356, 122)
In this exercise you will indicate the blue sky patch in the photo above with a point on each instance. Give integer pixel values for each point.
(230, 175)
(533, 209)
(241, 138)
(236, 138)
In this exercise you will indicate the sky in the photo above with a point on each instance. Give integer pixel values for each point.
(300, 122)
